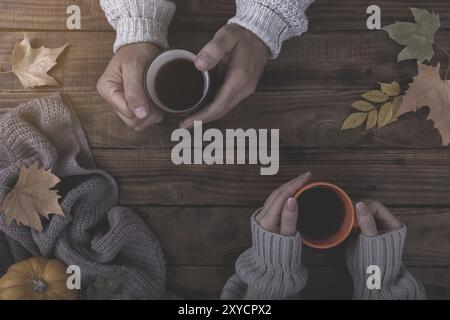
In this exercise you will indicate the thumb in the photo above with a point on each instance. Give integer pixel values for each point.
(289, 217)
(217, 49)
(366, 220)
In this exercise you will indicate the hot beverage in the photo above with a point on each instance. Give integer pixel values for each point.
(321, 213)
(179, 85)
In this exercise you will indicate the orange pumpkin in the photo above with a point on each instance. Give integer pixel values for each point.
(36, 279)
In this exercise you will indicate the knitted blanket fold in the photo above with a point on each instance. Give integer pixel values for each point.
(95, 233)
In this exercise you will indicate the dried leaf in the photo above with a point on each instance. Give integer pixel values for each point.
(391, 89)
(428, 89)
(376, 96)
(417, 37)
(372, 119)
(354, 120)
(31, 65)
(32, 197)
(395, 106)
(107, 288)
(385, 115)
(363, 106)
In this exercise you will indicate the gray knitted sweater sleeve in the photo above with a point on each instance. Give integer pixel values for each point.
(271, 269)
(5, 255)
(384, 252)
(273, 21)
(139, 20)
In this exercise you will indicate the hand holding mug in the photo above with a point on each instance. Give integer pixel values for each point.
(374, 218)
(122, 85)
(280, 212)
(245, 57)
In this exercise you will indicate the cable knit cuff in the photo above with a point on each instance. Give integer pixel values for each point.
(384, 251)
(272, 22)
(276, 250)
(139, 21)
(132, 30)
(272, 268)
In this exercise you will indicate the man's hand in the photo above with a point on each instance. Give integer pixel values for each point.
(280, 211)
(122, 85)
(374, 218)
(245, 57)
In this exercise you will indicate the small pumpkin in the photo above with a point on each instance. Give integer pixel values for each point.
(36, 279)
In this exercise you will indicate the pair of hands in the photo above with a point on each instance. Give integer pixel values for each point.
(280, 212)
(243, 53)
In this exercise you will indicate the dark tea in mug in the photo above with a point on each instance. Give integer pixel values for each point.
(321, 213)
(179, 85)
(175, 85)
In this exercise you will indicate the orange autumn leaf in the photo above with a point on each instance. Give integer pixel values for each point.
(429, 90)
(32, 197)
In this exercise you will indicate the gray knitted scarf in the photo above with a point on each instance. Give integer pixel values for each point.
(95, 234)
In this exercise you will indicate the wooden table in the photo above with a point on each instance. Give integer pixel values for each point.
(201, 213)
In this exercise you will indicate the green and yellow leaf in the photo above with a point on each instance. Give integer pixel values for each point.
(385, 114)
(363, 106)
(354, 120)
(372, 119)
(376, 96)
(395, 106)
(418, 37)
(391, 89)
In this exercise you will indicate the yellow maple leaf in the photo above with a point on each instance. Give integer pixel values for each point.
(32, 197)
(429, 90)
(31, 65)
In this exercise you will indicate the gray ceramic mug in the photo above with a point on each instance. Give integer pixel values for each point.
(155, 67)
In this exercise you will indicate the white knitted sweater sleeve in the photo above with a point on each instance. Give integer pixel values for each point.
(270, 270)
(273, 21)
(384, 251)
(139, 20)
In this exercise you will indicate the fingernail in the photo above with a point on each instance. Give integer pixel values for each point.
(186, 125)
(292, 204)
(140, 112)
(202, 62)
(307, 175)
(361, 208)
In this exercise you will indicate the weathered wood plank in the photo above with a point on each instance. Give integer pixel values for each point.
(410, 177)
(305, 119)
(50, 15)
(207, 282)
(209, 14)
(323, 15)
(335, 60)
(215, 236)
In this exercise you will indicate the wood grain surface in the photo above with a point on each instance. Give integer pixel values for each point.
(201, 213)
(201, 15)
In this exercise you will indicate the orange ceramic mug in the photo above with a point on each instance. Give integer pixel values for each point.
(349, 218)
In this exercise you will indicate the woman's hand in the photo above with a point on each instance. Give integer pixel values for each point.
(280, 211)
(122, 85)
(245, 57)
(375, 219)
